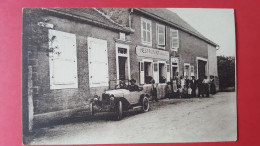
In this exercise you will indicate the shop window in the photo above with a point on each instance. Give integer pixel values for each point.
(160, 35)
(162, 73)
(174, 39)
(98, 62)
(63, 60)
(187, 70)
(146, 31)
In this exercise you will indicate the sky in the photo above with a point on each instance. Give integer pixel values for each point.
(217, 25)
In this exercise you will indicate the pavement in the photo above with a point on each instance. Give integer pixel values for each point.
(168, 121)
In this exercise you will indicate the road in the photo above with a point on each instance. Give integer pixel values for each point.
(168, 121)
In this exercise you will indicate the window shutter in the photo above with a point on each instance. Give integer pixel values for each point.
(168, 76)
(192, 70)
(156, 72)
(98, 62)
(175, 39)
(141, 72)
(146, 31)
(63, 60)
(160, 35)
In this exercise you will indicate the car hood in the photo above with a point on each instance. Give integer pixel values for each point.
(118, 92)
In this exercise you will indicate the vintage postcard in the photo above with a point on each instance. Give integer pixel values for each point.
(128, 75)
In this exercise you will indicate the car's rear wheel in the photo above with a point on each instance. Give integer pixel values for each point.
(146, 104)
(120, 110)
(91, 109)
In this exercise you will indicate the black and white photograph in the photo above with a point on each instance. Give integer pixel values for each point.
(128, 75)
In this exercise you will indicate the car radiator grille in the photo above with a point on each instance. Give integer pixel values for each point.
(105, 99)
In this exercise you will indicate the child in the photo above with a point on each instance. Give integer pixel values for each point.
(189, 92)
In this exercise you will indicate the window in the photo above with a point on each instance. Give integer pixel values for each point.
(174, 67)
(160, 35)
(174, 39)
(187, 70)
(146, 32)
(98, 62)
(192, 70)
(122, 51)
(63, 60)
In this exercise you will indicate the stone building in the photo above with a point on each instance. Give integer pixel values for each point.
(72, 54)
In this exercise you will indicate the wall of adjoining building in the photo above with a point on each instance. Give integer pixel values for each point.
(47, 100)
(190, 48)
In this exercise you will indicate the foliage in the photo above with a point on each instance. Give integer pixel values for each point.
(226, 71)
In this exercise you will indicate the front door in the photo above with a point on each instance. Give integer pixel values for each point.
(201, 69)
(122, 68)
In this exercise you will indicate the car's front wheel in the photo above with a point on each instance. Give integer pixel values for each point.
(120, 110)
(145, 105)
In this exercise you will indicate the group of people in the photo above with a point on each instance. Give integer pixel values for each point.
(186, 88)
(180, 87)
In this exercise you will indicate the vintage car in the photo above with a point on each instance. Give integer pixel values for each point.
(119, 100)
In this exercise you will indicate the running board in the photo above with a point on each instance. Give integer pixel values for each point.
(136, 107)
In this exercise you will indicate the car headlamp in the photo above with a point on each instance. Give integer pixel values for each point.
(112, 97)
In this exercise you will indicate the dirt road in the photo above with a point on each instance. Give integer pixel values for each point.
(170, 120)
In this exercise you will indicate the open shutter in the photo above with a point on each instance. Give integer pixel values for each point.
(168, 76)
(156, 72)
(160, 35)
(63, 60)
(192, 70)
(141, 72)
(175, 39)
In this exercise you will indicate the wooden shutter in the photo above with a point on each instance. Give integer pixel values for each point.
(156, 72)
(160, 35)
(174, 39)
(141, 68)
(98, 62)
(63, 60)
(168, 74)
(192, 70)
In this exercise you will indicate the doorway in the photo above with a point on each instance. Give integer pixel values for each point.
(201, 69)
(122, 62)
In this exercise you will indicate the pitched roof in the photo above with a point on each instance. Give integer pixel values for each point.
(90, 15)
(172, 18)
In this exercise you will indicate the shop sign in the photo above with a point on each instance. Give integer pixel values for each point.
(152, 53)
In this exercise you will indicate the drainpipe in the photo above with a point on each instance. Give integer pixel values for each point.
(129, 18)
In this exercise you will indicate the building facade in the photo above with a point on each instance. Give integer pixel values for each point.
(72, 54)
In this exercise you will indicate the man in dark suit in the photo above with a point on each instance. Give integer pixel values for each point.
(200, 88)
(193, 85)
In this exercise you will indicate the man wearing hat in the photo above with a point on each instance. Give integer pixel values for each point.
(133, 86)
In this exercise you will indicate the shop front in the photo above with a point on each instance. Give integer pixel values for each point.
(153, 65)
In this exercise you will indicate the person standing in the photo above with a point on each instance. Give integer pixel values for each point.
(193, 85)
(212, 85)
(154, 91)
(200, 87)
(205, 84)
(174, 87)
(189, 92)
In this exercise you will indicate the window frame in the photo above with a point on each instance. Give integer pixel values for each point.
(173, 48)
(145, 42)
(162, 46)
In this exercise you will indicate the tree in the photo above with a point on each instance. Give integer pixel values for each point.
(226, 71)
